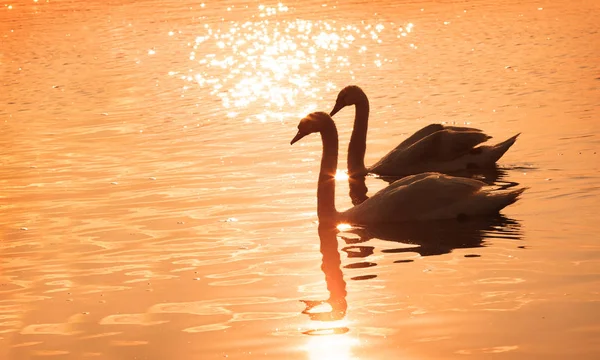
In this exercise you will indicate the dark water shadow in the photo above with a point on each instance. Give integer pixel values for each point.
(436, 237)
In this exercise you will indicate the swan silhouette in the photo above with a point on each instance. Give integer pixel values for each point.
(435, 147)
(426, 196)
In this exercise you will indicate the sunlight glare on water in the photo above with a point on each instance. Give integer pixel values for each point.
(331, 346)
(279, 63)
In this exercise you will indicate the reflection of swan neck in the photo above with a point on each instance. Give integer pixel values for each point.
(331, 267)
(358, 139)
(326, 188)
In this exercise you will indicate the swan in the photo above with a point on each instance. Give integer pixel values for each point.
(421, 197)
(435, 148)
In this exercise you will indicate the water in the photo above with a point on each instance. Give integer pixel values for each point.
(152, 206)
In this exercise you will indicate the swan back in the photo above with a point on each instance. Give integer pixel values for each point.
(435, 151)
(430, 196)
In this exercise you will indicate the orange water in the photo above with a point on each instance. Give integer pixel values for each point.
(152, 207)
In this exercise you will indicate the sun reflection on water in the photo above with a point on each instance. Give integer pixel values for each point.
(344, 227)
(275, 64)
(331, 346)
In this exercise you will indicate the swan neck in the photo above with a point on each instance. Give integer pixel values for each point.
(326, 188)
(358, 139)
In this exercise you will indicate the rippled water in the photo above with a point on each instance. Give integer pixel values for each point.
(152, 206)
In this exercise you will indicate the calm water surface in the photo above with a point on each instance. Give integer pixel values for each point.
(152, 207)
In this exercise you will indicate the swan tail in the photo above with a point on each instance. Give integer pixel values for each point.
(483, 203)
(486, 156)
(498, 150)
(505, 198)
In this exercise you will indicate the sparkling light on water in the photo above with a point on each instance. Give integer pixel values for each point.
(274, 66)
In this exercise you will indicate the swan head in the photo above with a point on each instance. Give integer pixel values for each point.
(350, 95)
(312, 123)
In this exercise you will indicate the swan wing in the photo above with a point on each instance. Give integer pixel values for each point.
(419, 134)
(428, 130)
(460, 128)
(441, 146)
(418, 197)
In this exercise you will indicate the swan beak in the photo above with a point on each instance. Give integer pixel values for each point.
(298, 136)
(338, 106)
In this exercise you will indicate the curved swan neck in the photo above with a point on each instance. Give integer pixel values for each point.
(358, 139)
(326, 188)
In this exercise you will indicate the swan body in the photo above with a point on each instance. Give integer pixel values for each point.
(426, 196)
(430, 196)
(435, 148)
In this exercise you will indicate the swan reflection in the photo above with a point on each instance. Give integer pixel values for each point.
(334, 308)
(433, 237)
(331, 335)
(429, 238)
(330, 331)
